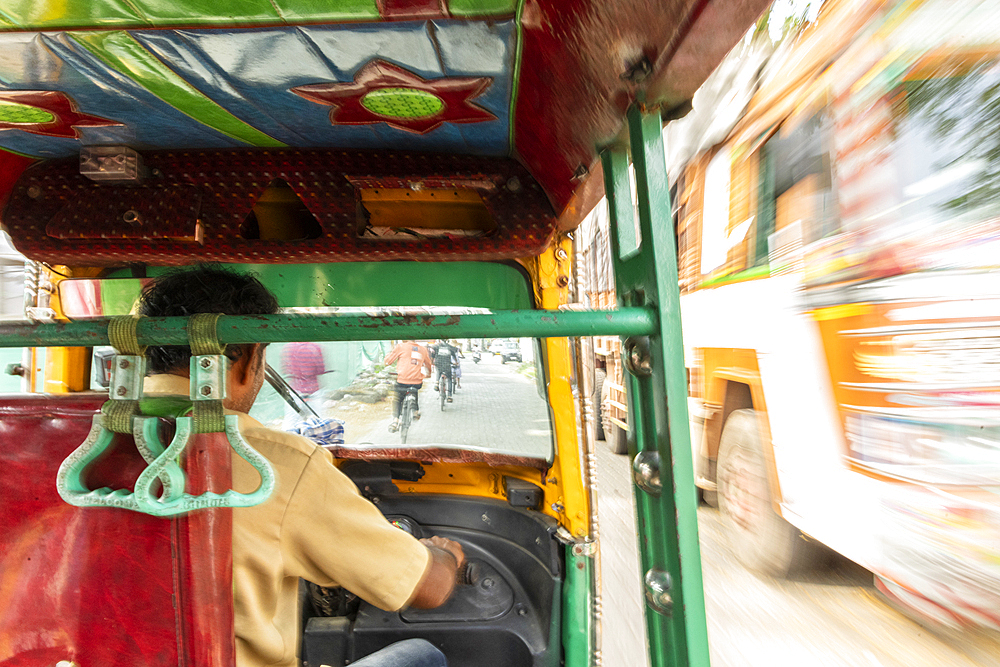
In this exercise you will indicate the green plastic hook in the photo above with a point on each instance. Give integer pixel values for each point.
(163, 467)
(150, 503)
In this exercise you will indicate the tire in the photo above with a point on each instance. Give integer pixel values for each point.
(758, 537)
(618, 439)
(614, 435)
(406, 420)
(600, 375)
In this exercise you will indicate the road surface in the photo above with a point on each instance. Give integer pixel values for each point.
(831, 618)
(498, 407)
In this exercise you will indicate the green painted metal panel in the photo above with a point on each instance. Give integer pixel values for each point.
(578, 607)
(466, 8)
(119, 50)
(658, 418)
(367, 284)
(312, 327)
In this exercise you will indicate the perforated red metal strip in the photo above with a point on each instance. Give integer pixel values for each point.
(53, 200)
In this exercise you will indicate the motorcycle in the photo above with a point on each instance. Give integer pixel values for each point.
(476, 356)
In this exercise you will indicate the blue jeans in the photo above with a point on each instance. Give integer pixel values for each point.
(407, 653)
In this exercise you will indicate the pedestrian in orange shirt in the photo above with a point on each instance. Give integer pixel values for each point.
(411, 359)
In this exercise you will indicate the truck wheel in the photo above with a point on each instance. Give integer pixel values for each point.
(599, 376)
(618, 439)
(759, 538)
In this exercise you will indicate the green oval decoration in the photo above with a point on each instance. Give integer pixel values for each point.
(402, 103)
(24, 113)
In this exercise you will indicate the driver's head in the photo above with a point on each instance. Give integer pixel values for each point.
(210, 289)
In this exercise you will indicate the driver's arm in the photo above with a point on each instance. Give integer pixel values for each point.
(447, 559)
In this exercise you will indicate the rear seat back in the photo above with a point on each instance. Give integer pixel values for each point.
(102, 586)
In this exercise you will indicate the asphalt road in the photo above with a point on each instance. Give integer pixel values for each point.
(831, 618)
(498, 408)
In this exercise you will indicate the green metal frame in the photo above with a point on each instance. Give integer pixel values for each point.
(285, 328)
(646, 277)
(577, 612)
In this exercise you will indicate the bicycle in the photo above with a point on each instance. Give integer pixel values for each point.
(443, 388)
(406, 413)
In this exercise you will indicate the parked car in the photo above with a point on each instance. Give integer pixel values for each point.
(511, 351)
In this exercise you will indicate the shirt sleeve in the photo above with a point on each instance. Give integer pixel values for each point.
(332, 536)
(392, 356)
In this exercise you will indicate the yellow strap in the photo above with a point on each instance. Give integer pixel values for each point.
(203, 334)
(123, 337)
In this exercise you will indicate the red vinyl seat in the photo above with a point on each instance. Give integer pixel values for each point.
(101, 586)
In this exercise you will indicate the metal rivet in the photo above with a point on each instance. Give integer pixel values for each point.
(646, 472)
(487, 583)
(132, 218)
(123, 363)
(658, 584)
(638, 359)
(121, 391)
(34, 191)
(513, 184)
(561, 254)
(562, 281)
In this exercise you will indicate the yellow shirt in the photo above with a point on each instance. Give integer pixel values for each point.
(316, 526)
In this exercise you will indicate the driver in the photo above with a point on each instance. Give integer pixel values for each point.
(316, 525)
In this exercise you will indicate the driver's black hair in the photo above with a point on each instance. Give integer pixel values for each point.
(208, 288)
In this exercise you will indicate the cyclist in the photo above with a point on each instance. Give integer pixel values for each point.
(456, 366)
(445, 356)
(411, 359)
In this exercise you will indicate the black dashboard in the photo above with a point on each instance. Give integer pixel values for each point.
(505, 613)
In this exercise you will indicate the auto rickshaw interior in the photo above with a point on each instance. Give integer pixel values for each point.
(392, 170)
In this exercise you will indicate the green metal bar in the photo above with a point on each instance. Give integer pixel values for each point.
(313, 327)
(578, 602)
(658, 418)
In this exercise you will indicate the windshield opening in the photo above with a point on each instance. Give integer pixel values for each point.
(497, 404)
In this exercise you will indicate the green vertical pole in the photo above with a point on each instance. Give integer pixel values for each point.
(658, 418)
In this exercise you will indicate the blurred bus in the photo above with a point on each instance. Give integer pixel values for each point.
(839, 258)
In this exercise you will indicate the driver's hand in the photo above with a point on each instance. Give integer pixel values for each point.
(452, 547)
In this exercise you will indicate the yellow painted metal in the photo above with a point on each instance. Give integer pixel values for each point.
(550, 274)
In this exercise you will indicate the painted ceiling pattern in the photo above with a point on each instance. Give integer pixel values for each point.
(441, 85)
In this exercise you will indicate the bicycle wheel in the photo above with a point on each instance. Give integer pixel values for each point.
(405, 417)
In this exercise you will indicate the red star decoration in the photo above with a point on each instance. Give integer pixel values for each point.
(455, 93)
(66, 119)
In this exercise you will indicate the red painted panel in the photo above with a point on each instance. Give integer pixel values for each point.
(230, 182)
(104, 586)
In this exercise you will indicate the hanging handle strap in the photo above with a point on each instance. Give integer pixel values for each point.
(208, 390)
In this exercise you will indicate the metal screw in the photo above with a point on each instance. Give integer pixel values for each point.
(487, 583)
(123, 363)
(206, 363)
(121, 391)
(206, 390)
(562, 281)
(521, 611)
(561, 254)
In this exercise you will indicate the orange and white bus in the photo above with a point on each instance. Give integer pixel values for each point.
(839, 257)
